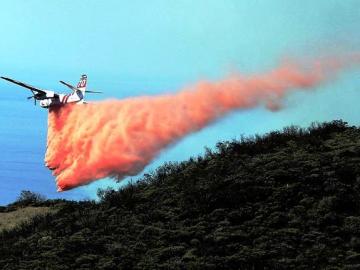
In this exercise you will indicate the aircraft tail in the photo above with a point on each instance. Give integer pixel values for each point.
(82, 84)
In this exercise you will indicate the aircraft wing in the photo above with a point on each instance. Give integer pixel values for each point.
(70, 86)
(77, 89)
(32, 88)
(95, 92)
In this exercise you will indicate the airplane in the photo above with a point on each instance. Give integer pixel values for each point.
(49, 98)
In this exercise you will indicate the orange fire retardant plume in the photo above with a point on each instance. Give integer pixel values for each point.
(118, 138)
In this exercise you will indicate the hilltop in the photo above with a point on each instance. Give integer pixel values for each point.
(285, 200)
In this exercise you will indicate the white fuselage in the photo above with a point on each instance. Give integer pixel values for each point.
(61, 99)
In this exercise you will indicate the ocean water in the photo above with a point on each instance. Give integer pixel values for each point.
(23, 129)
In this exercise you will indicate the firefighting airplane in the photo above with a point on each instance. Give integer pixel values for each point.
(50, 98)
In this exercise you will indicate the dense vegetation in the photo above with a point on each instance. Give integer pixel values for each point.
(285, 200)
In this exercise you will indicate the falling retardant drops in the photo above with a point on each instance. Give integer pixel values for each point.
(118, 138)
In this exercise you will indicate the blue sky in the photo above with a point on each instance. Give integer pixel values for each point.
(131, 48)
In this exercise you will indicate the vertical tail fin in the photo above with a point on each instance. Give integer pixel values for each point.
(82, 84)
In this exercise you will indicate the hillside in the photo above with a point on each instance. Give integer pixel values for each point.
(12, 219)
(286, 200)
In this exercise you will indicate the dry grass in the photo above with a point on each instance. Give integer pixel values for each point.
(12, 219)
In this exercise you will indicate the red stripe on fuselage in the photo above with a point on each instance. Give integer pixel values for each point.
(65, 98)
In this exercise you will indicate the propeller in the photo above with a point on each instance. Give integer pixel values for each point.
(33, 98)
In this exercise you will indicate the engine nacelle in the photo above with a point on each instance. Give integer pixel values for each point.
(45, 103)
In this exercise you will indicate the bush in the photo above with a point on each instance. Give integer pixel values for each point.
(27, 197)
